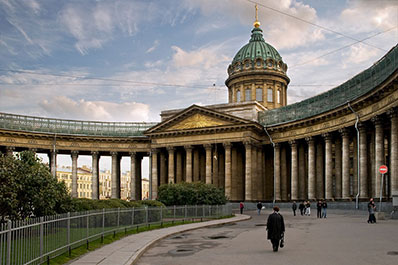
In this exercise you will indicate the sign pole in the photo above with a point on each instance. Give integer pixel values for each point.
(381, 190)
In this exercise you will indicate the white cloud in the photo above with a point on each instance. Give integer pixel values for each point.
(360, 53)
(154, 46)
(65, 107)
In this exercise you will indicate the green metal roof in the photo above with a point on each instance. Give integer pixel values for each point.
(257, 48)
(357, 86)
(73, 127)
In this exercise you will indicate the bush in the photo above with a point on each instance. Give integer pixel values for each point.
(191, 194)
(82, 204)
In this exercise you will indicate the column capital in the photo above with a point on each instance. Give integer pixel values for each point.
(154, 150)
(52, 151)
(34, 150)
(10, 148)
(377, 120)
(133, 154)
(277, 145)
(113, 153)
(170, 149)
(327, 136)
(188, 147)
(227, 145)
(393, 113)
(362, 127)
(344, 132)
(74, 153)
(293, 143)
(95, 153)
(248, 143)
(310, 140)
(207, 146)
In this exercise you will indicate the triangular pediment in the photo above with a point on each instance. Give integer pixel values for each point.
(196, 117)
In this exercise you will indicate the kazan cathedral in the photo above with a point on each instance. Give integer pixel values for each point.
(256, 147)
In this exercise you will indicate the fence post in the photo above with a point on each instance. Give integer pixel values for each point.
(87, 226)
(41, 236)
(118, 218)
(103, 225)
(185, 214)
(68, 231)
(146, 215)
(8, 259)
(203, 211)
(196, 210)
(161, 214)
(132, 218)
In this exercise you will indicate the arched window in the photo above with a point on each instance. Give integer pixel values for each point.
(270, 96)
(279, 96)
(248, 94)
(259, 94)
(238, 96)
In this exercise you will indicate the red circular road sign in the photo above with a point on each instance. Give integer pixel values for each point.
(383, 169)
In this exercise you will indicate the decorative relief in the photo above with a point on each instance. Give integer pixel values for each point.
(309, 130)
(375, 107)
(74, 144)
(10, 140)
(197, 121)
(32, 141)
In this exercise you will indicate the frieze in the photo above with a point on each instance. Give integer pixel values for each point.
(10, 140)
(32, 141)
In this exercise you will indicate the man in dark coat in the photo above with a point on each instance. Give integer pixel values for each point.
(275, 228)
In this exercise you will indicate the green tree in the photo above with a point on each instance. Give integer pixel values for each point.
(191, 194)
(28, 188)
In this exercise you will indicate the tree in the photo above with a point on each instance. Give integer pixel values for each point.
(28, 189)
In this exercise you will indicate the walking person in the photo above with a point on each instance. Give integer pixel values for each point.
(259, 207)
(308, 208)
(275, 228)
(371, 210)
(294, 208)
(319, 209)
(301, 208)
(241, 206)
(324, 207)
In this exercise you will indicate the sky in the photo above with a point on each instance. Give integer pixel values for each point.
(127, 60)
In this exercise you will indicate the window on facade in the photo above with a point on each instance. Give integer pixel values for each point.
(279, 96)
(247, 64)
(270, 95)
(238, 96)
(258, 63)
(259, 94)
(248, 95)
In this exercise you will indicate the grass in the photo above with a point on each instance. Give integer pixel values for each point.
(93, 245)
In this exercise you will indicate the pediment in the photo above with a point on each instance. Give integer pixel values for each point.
(196, 117)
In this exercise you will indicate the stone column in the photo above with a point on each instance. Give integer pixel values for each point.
(188, 151)
(294, 173)
(329, 167)
(154, 182)
(115, 189)
(196, 165)
(215, 168)
(283, 170)
(10, 150)
(338, 167)
(74, 155)
(170, 150)
(394, 152)
(138, 178)
(163, 171)
(363, 162)
(311, 168)
(301, 171)
(133, 176)
(260, 183)
(53, 162)
(95, 193)
(178, 167)
(248, 171)
(208, 163)
(355, 166)
(379, 153)
(254, 172)
(320, 190)
(236, 184)
(228, 173)
(346, 164)
(277, 172)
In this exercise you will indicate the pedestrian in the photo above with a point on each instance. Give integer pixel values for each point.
(308, 208)
(371, 210)
(319, 209)
(301, 208)
(324, 207)
(275, 228)
(294, 208)
(241, 206)
(259, 207)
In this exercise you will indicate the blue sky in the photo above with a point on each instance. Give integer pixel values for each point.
(58, 57)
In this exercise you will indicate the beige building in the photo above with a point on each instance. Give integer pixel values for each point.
(256, 146)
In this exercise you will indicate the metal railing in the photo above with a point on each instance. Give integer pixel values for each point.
(350, 90)
(73, 127)
(36, 240)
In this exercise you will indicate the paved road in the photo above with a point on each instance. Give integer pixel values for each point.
(342, 238)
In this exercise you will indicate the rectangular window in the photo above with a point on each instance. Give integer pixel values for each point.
(279, 96)
(259, 94)
(270, 96)
(238, 96)
(248, 94)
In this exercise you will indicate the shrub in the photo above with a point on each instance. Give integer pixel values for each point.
(191, 194)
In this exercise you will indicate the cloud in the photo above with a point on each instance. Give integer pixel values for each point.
(154, 46)
(65, 107)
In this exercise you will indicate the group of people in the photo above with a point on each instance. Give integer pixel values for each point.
(304, 207)
(321, 207)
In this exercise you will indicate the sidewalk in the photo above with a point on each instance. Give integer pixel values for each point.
(129, 249)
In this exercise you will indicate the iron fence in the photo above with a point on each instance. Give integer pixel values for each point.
(36, 240)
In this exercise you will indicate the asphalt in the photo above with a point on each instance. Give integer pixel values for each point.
(129, 249)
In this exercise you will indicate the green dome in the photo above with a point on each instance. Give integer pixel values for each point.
(257, 48)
